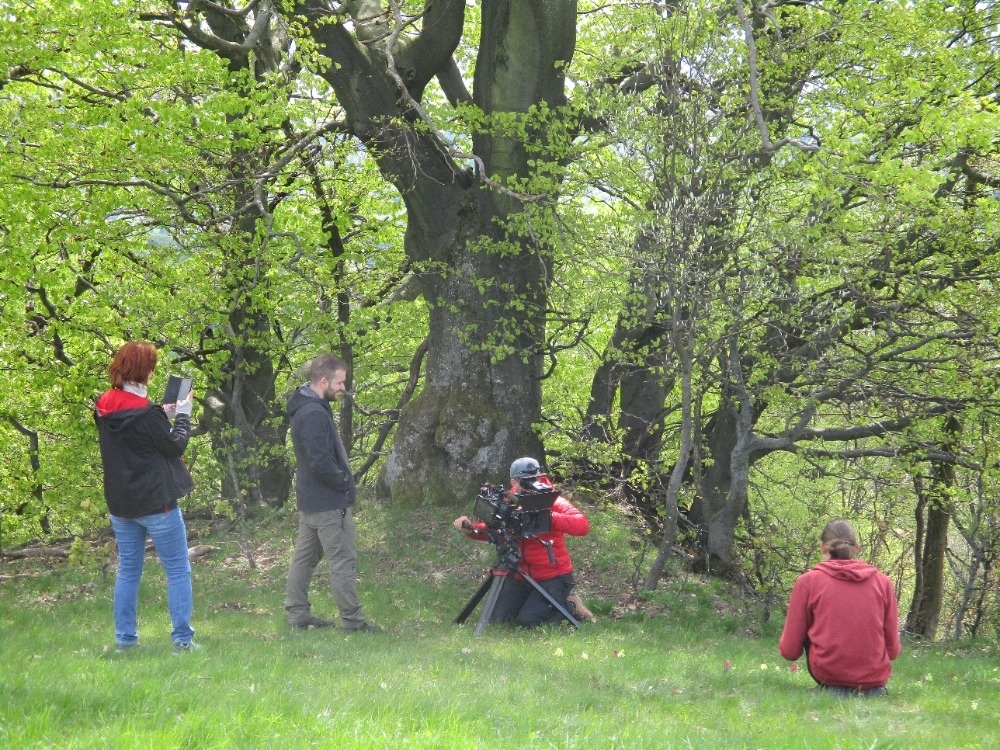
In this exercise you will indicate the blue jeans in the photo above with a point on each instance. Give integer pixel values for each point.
(170, 539)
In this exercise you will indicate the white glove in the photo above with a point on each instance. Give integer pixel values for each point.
(184, 407)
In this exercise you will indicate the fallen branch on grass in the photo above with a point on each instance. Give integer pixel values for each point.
(22, 554)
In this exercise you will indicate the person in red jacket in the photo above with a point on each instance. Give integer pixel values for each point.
(544, 556)
(843, 614)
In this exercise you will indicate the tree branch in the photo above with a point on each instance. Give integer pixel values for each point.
(755, 107)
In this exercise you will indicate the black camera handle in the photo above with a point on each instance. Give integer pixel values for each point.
(547, 543)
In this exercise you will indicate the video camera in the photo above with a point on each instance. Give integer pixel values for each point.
(508, 516)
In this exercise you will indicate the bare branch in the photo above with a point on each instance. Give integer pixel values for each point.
(195, 5)
(450, 78)
(224, 47)
(758, 113)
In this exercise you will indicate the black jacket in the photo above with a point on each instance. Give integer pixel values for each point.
(323, 478)
(141, 453)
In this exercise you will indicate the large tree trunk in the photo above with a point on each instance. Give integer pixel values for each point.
(487, 286)
(635, 369)
(683, 344)
(248, 433)
(711, 512)
(725, 510)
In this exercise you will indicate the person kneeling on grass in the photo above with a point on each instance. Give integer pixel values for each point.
(544, 557)
(843, 614)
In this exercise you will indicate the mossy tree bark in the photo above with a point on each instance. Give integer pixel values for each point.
(466, 237)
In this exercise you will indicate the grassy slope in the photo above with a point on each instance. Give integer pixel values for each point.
(631, 680)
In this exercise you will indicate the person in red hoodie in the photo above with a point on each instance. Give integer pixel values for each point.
(544, 556)
(843, 614)
(144, 477)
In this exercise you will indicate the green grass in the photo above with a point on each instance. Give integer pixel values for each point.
(649, 675)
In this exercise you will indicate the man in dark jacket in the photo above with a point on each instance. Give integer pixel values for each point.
(324, 494)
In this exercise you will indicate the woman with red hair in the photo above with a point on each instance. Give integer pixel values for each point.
(144, 477)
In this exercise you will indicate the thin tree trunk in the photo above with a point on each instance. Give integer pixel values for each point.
(925, 609)
(670, 511)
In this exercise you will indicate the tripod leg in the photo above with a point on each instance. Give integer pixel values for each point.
(474, 600)
(559, 607)
(491, 602)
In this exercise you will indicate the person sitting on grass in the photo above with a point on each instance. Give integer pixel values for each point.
(843, 614)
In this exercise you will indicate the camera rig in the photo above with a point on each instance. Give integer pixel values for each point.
(508, 518)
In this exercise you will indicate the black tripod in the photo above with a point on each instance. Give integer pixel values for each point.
(506, 566)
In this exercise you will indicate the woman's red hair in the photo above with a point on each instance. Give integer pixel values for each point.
(133, 363)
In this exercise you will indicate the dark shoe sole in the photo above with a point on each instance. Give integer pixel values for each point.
(366, 628)
(309, 624)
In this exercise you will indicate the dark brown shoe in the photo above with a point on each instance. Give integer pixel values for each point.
(579, 611)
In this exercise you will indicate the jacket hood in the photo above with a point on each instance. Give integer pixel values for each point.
(847, 570)
(302, 396)
(120, 408)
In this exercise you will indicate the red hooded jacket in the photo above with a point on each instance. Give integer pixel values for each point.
(845, 612)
